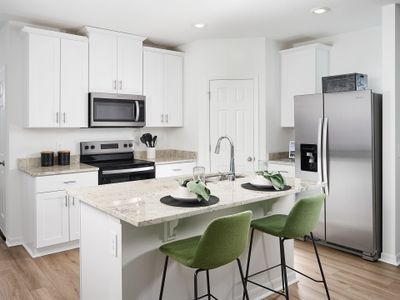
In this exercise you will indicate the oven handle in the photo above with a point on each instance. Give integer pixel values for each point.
(123, 171)
(137, 111)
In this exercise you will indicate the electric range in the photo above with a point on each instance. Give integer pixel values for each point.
(116, 161)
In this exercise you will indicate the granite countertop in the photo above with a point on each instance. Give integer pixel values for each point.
(169, 156)
(31, 166)
(138, 202)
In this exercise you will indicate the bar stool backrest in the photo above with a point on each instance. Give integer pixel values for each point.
(223, 241)
(303, 217)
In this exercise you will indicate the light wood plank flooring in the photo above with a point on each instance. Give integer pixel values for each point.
(57, 276)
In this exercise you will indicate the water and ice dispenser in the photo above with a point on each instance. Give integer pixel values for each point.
(309, 157)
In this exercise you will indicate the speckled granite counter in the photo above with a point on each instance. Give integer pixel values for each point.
(283, 161)
(169, 156)
(31, 166)
(138, 203)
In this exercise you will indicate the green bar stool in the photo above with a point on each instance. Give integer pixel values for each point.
(302, 219)
(223, 242)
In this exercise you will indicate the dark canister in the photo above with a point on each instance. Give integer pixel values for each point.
(47, 158)
(64, 157)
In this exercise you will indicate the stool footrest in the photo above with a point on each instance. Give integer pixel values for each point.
(305, 275)
(206, 295)
(265, 287)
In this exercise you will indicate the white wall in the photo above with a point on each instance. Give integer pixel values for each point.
(217, 59)
(391, 133)
(26, 142)
(357, 51)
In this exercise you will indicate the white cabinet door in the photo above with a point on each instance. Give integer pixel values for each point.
(130, 62)
(52, 218)
(74, 83)
(74, 219)
(43, 81)
(103, 63)
(173, 90)
(154, 88)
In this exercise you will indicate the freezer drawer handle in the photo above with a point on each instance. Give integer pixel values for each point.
(123, 171)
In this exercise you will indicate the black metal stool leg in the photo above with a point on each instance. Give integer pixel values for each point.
(208, 285)
(243, 279)
(248, 259)
(283, 260)
(282, 268)
(196, 295)
(320, 266)
(163, 277)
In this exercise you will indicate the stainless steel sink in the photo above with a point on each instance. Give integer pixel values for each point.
(220, 177)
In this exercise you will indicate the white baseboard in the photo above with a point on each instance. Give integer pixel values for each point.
(12, 242)
(34, 252)
(390, 259)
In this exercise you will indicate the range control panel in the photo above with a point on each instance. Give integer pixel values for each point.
(89, 148)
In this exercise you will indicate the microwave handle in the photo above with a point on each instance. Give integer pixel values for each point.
(137, 111)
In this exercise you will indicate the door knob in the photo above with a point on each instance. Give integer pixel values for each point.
(3, 163)
(249, 159)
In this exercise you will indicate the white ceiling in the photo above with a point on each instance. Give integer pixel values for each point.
(169, 22)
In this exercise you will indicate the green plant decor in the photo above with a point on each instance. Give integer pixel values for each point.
(278, 182)
(200, 189)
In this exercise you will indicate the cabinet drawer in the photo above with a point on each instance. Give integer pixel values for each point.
(61, 182)
(286, 170)
(179, 169)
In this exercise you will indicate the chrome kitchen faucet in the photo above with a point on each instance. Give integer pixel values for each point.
(232, 175)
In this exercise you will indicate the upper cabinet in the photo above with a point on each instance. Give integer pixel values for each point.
(115, 62)
(163, 87)
(301, 71)
(57, 79)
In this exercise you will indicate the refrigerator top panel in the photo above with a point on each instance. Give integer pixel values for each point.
(308, 114)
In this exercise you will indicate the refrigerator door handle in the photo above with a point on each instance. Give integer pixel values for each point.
(325, 154)
(319, 147)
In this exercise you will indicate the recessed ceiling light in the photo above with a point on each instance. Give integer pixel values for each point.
(320, 10)
(199, 25)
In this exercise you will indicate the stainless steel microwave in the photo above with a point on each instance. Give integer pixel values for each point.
(116, 110)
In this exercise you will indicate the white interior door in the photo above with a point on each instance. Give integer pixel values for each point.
(3, 140)
(232, 114)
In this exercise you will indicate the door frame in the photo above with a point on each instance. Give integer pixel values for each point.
(256, 116)
(3, 70)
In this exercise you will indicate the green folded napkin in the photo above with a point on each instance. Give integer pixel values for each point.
(278, 182)
(200, 189)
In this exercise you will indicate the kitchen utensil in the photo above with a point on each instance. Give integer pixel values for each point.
(154, 140)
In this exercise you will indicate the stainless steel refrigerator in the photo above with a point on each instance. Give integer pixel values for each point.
(339, 141)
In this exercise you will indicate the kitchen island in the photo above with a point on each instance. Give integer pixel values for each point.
(123, 225)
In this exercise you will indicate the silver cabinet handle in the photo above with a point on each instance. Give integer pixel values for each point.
(114, 84)
(162, 118)
(124, 171)
(176, 170)
(70, 182)
(120, 84)
(64, 117)
(66, 201)
(57, 117)
(73, 201)
(166, 118)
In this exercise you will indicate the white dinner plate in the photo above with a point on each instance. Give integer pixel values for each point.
(261, 185)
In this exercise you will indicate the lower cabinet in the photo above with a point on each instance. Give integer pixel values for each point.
(174, 169)
(52, 218)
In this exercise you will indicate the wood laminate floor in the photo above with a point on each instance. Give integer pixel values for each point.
(57, 276)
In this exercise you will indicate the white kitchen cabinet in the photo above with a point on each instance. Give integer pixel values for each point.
(115, 62)
(53, 218)
(57, 79)
(163, 87)
(301, 71)
(174, 169)
(74, 83)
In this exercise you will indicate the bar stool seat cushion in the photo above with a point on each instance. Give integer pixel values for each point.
(182, 251)
(272, 225)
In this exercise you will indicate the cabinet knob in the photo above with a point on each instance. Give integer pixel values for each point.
(250, 159)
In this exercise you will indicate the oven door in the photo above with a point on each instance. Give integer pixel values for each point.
(113, 110)
(123, 175)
